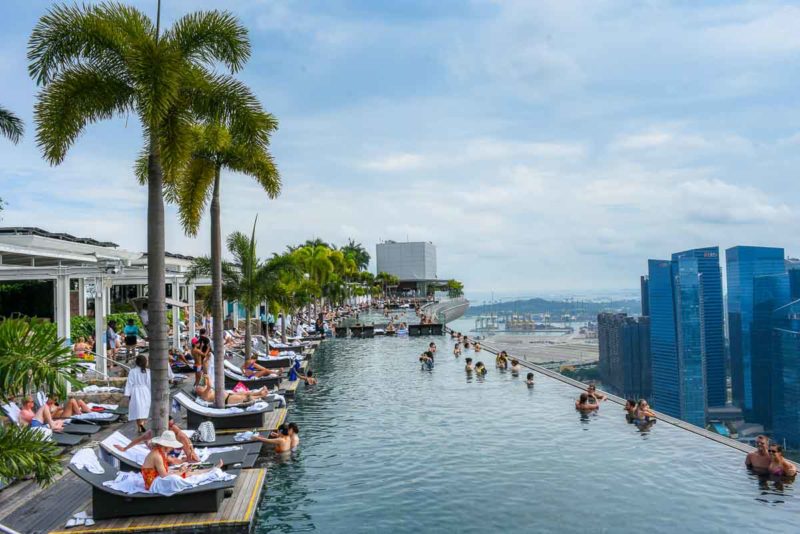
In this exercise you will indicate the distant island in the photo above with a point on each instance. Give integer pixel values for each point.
(581, 310)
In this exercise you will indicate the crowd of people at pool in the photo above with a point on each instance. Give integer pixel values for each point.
(767, 459)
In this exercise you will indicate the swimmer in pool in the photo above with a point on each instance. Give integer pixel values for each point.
(594, 395)
(584, 405)
(432, 347)
(469, 367)
(457, 350)
(780, 466)
(480, 369)
(529, 380)
(643, 413)
(282, 441)
(477, 346)
(426, 359)
(502, 360)
(515, 367)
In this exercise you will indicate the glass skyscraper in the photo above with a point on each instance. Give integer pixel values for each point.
(712, 319)
(786, 374)
(663, 338)
(770, 292)
(744, 265)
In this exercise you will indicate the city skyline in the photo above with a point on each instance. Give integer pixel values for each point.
(559, 144)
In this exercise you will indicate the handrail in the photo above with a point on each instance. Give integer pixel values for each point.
(663, 417)
(7, 530)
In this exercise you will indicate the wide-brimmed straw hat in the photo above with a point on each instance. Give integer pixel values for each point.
(167, 439)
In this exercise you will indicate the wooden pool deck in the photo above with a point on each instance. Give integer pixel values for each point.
(236, 514)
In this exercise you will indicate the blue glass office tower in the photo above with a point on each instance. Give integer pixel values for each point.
(712, 319)
(786, 374)
(770, 292)
(744, 265)
(663, 338)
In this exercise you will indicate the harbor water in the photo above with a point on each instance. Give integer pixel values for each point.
(387, 446)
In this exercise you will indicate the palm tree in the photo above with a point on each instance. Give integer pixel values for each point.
(358, 253)
(215, 148)
(10, 125)
(32, 358)
(98, 61)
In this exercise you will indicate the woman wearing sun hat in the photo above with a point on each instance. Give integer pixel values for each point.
(155, 463)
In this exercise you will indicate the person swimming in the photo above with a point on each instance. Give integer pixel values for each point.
(778, 465)
(426, 359)
(477, 346)
(515, 367)
(457, 350)
(480, 369)
(469, 367)
(594, 395)
(529, 380)
(584, 405)
(643, 414)
(502, 360)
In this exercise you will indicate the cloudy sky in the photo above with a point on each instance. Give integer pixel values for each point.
(541, 145)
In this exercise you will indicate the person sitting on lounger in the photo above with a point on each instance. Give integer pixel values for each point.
(70, 408)
(251, 369)
(281, 440)
(156, 463)
(37, 418)
(205, 391)
(180, 435)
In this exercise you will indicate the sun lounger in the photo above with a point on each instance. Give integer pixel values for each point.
(108, 503)
(131, 459)
(61, 439)
(233, 376)
(275, 363)
(223, 418)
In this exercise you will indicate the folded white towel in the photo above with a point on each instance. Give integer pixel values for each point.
(87, 459)
(92, 416)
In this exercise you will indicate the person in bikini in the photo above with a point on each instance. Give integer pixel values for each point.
(156, 464)
(205, 391)
(180, 435)
(251, 369)
(778, 465)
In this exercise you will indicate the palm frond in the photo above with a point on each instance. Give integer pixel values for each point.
(257, 162)
(79, 96)
(11, 126)
(194, 189)
(32, 358)
(70, 36)
(26, 451)
(210, 37)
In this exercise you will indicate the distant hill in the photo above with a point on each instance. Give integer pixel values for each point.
(583, 310)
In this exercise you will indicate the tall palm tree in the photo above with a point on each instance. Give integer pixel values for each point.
(213, 149)
(11, 126)
(98, 61)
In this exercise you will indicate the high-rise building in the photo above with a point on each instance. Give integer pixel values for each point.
(744, 266)
(413, 263)
(786, 374)
(643, 281)
(793, 268)
(770, 292)
(712, 320)
(663, 338)
(625, 354)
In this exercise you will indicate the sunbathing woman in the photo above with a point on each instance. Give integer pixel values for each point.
(40, 417)
(205, 391)
(180, 435)
(251, 369)
(156, 464)
(70, 408)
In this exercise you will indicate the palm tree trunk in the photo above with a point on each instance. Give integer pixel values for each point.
(156, 284)
(248, 338)
(283, 327)
(216, 295)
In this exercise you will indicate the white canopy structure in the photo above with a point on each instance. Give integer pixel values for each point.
(28, 253)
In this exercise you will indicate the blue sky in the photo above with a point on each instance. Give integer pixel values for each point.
(542, 145)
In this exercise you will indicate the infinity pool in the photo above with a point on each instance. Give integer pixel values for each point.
(387, 446)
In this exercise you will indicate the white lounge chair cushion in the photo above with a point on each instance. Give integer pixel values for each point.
(133, 482)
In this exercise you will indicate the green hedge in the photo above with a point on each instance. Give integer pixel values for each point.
(83, 326)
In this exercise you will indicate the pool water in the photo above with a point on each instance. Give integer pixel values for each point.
(388, 446)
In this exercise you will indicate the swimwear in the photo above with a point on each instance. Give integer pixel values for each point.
(35, 423)
(149, 474)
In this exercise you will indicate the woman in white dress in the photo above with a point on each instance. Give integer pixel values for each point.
(138, 389)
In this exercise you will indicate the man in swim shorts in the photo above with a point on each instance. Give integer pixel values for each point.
(759, 459)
